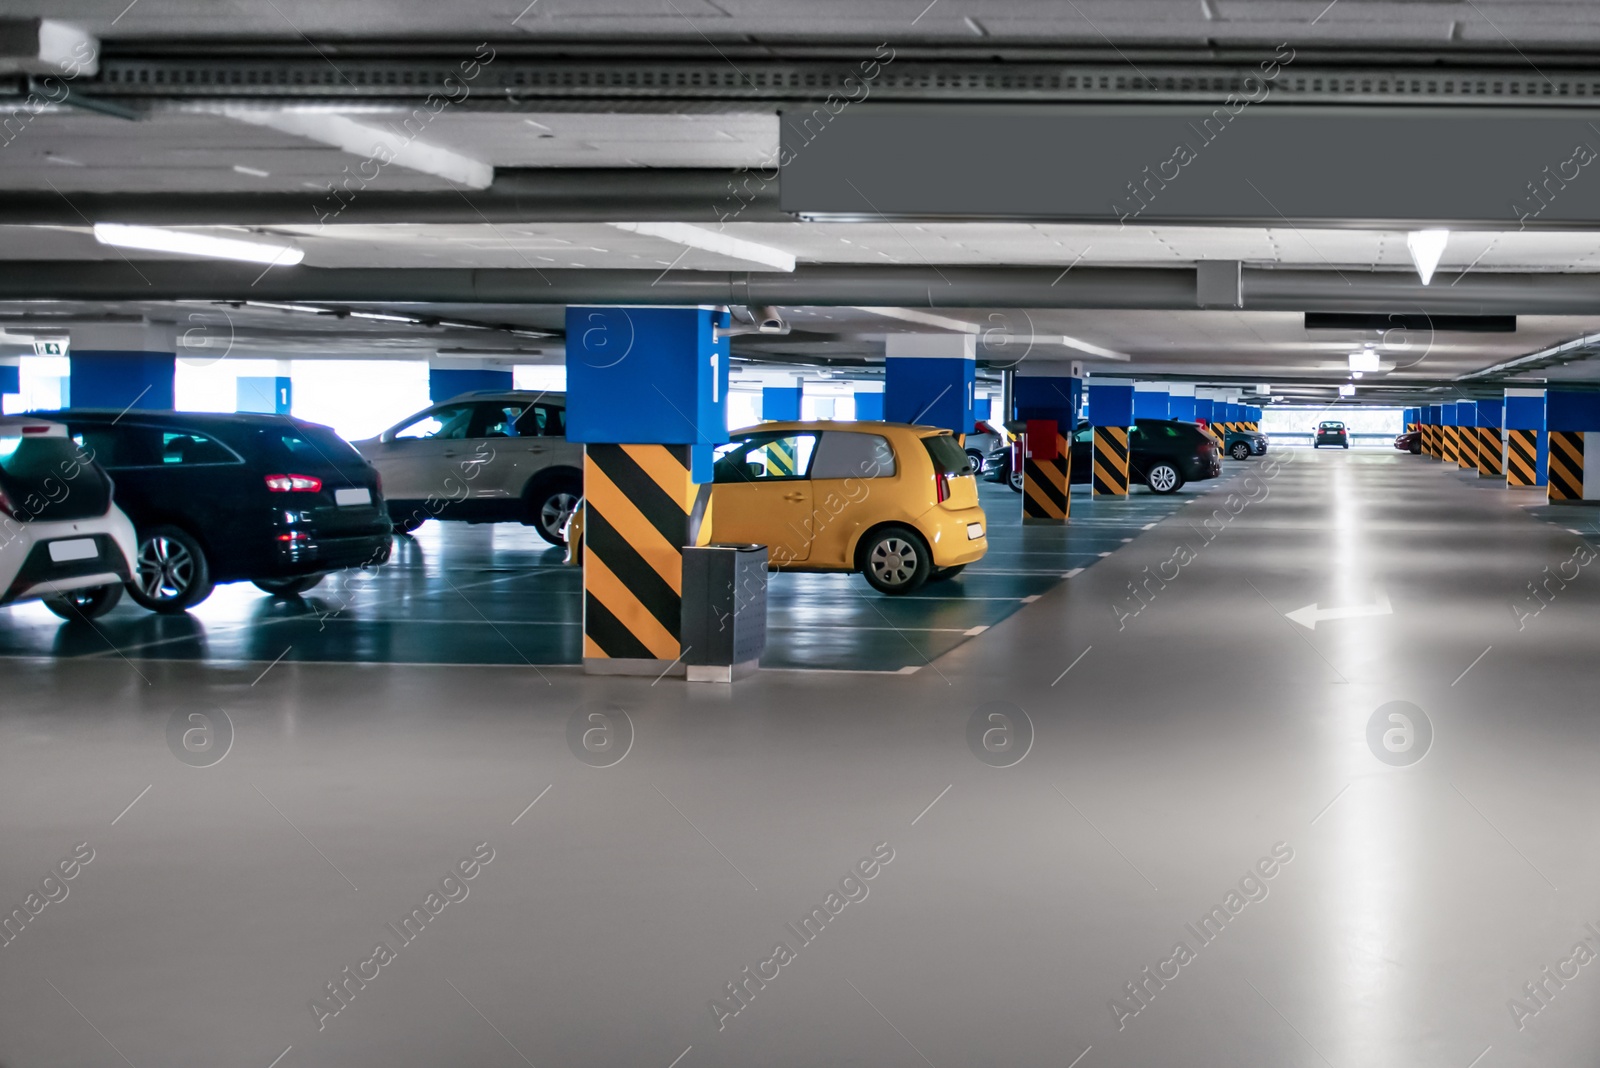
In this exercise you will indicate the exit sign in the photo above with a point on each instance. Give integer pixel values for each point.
(50, 346)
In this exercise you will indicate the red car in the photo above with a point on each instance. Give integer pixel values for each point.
(1410, 441)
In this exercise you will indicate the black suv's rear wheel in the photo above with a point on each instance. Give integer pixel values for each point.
(1014, 480)
(91, 603)
(1163, 477)
(895, 560)
(171, 574)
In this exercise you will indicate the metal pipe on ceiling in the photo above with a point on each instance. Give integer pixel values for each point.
(823, 285)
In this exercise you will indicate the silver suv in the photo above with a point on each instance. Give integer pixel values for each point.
(486, 457)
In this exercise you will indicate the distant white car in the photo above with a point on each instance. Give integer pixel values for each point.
(62, 540)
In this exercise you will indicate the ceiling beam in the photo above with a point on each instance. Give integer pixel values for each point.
(517, 195)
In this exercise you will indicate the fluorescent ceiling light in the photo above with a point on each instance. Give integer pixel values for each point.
(714, 242)
(1426, 247)
(1364, 360)
(383, 318)
(1094, 350)
(156, 239)
(1347, 390)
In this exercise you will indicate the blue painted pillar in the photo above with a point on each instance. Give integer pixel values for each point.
(1525, 438)
(931, 379)
(781, 404)
(274, 395)
(1151, 401)
(112, 378)
(647, 395)
(1049, 405)
(982, 409)
(869, 405)
(1111, 415)
(1205, 410)
(1180, 402)
(447, 382)
(1572, 422)
(10, 378)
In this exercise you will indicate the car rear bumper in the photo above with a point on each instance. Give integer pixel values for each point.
(292, 556)
(41, 576)
(949, 534)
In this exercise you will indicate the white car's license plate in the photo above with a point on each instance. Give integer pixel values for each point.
(359, 495)
(64, 552)
(974, 531)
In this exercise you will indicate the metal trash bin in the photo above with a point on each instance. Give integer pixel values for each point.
(724, 623)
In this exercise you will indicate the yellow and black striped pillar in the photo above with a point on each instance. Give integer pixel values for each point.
(1427, 439)
(1452, 444)
(1467, 447)
(1489, 452)
(1111, 461)
(641, 509)
(1565, 473)
(1522, 458)
(1047, 486)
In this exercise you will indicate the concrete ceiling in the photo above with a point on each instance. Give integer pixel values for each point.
(1385, 23)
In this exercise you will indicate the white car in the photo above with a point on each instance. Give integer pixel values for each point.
(62, 540)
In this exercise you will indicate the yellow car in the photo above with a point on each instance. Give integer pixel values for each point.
(897, 503)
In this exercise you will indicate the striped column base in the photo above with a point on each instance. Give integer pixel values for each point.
(1522, 459)
(1111, 461)
(1452, 444)
(1046, 485)
(1467, 450)
(1566, 466)
(640, 509)
(1489, 465)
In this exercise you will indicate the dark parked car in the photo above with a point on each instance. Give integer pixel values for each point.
(1410, 441)
(227, 498)
(1243, 444)
(1331, 433)
(1163, 455)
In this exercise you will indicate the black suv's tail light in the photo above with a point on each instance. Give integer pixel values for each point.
(294, 484)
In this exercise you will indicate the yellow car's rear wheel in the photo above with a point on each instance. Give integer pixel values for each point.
(895, 560)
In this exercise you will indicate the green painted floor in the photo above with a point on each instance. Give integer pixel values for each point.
(460, 594)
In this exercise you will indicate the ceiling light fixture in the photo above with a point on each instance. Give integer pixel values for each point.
(1364, 360)
(1426, 246)
(184, 243)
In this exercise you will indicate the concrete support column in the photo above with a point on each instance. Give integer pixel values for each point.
(781, 404)
(1111, 415)
(123, 365)
(451, 378)
(647, 392)
(1434, 422)
(273, 395)
(1569, 419)
(1491, 453)
(1151, 401)
(869, 404)
(1180, 402)
(931, 379)
(1049, 404)
(1525, 438)
(1467, 435)
(10, 377)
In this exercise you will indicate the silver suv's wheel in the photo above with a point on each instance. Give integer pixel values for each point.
(895, 560)
(1163, 478)
(552, 509)
(1014, 480)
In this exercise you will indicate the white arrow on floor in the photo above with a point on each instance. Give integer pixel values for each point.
(1309, 616)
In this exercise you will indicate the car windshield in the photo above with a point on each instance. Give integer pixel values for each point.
(1332, 426)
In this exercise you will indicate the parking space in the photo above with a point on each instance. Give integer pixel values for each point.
(496, 594)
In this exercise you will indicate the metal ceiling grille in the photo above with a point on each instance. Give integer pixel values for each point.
(523, 81)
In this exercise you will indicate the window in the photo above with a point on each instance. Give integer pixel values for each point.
(1083, 436)
(847, 454)
(187, 447)
(765, 458)
(449, 424)
(542, 420)
(500, 421)
(948, 457)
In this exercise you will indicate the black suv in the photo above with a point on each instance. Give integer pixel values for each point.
(1163, 454)
(267, 499)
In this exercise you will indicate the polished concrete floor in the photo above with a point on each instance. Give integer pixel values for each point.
(1178, 828)
(459, 594)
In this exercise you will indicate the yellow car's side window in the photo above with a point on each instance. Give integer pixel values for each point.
(765, 458)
